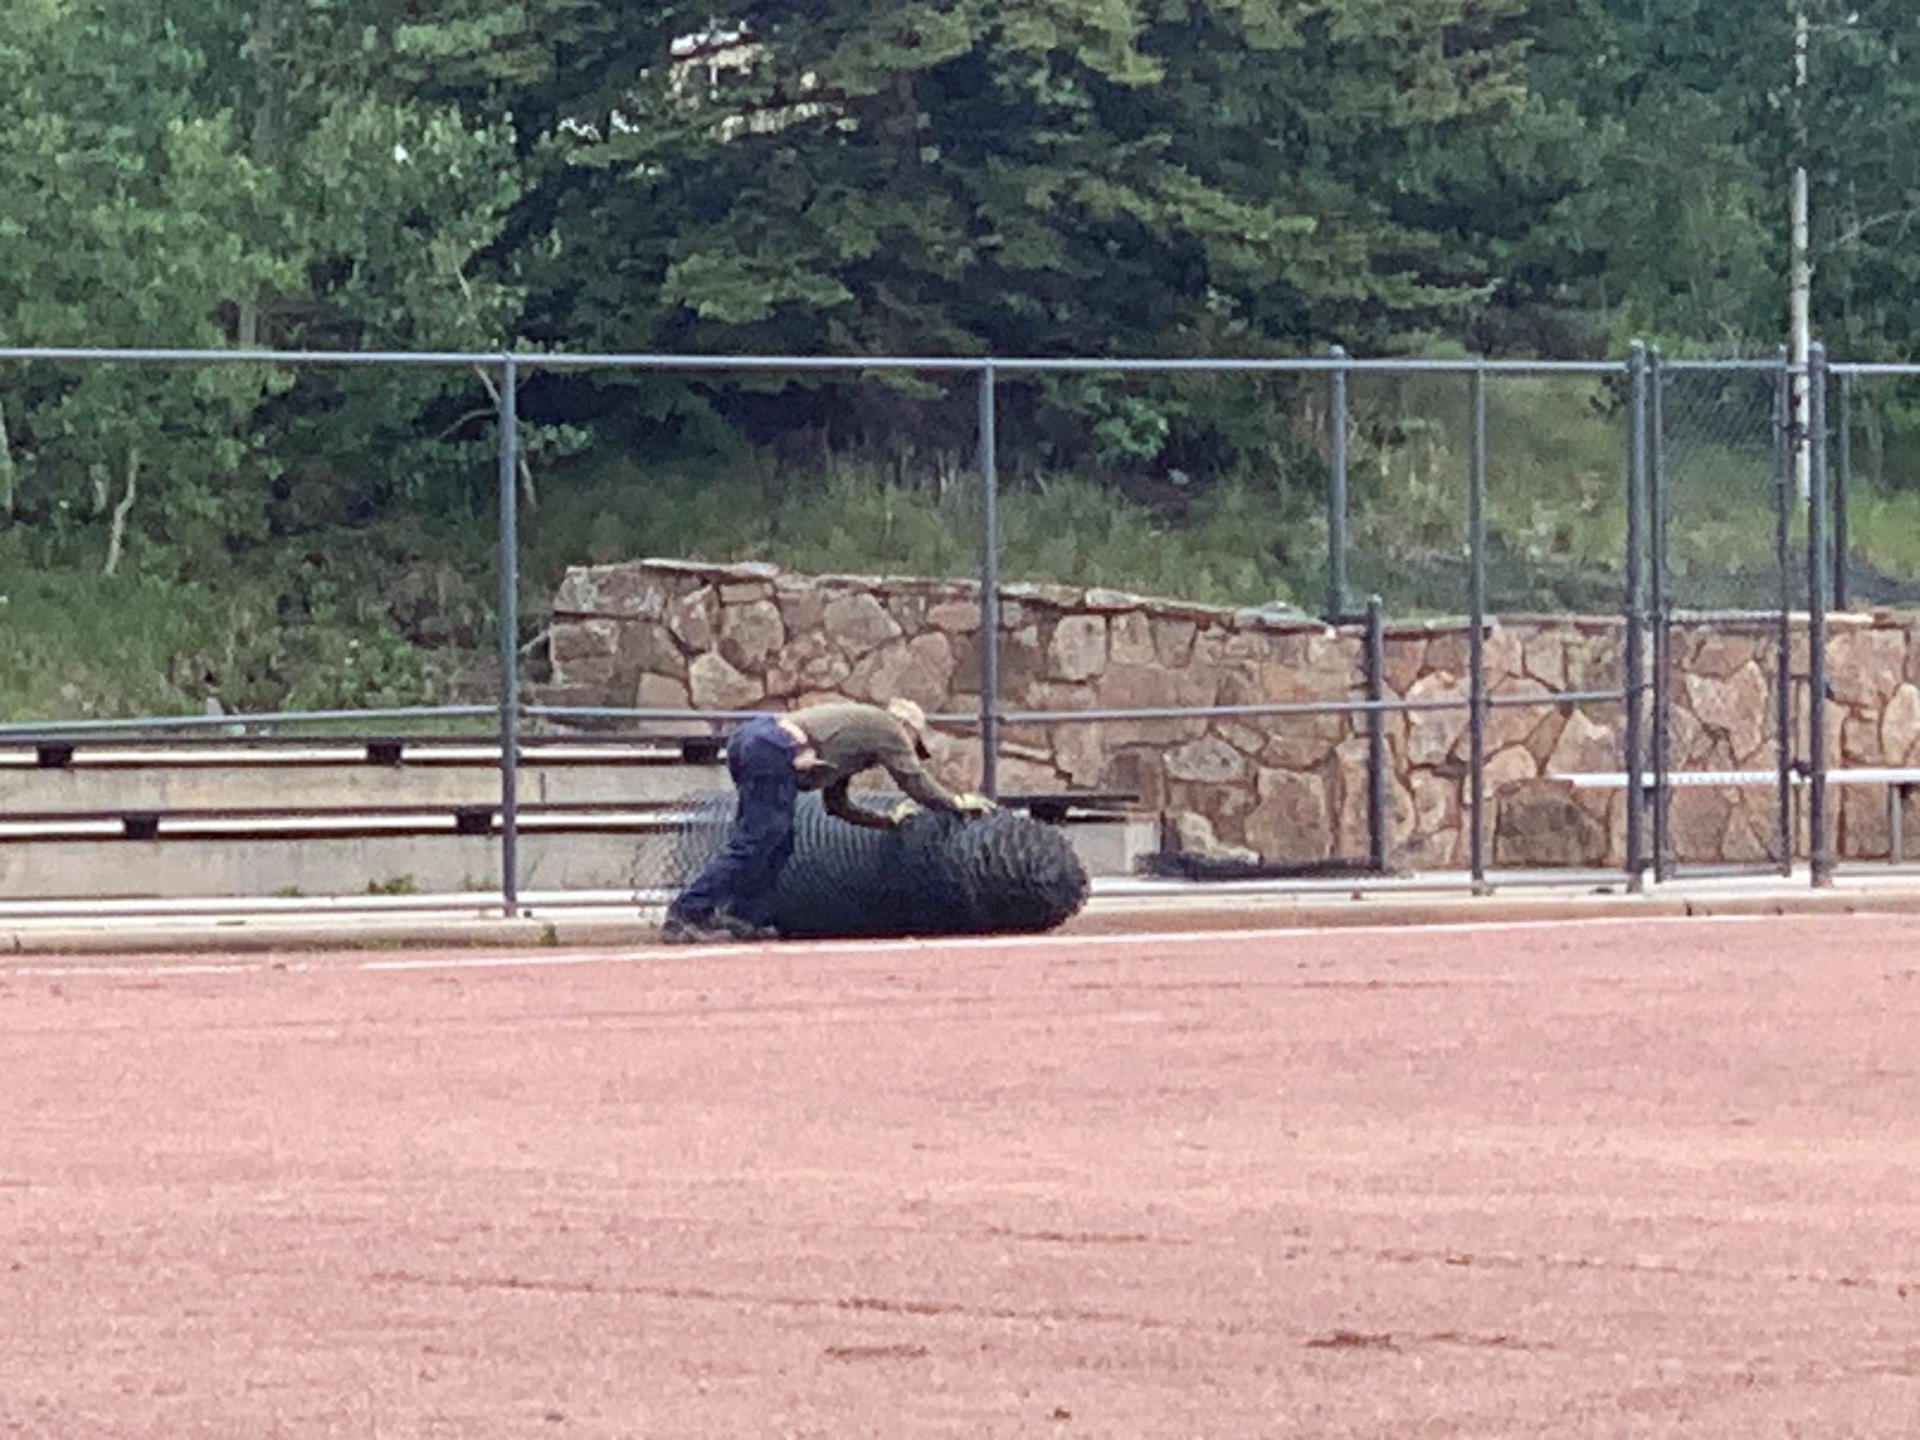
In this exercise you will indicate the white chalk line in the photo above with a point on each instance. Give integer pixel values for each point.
(810, 949)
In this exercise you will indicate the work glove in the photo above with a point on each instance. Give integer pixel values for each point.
(900, 812)
(972, 803)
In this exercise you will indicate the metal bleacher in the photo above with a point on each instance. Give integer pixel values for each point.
(329, 815)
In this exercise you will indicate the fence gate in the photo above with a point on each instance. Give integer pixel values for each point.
(1723, 586)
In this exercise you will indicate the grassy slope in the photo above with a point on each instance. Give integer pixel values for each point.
(402, 612)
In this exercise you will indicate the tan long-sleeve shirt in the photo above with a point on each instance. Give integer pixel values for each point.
(846, 738)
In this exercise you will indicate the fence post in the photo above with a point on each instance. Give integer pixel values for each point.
(1842, 489)
(1477, 637)
(1783, 745)
(1820, 852)
(1376, 737)
(1635, 688)
(509, 566)
(989, 586)
(1337, 490)
(1661, 617)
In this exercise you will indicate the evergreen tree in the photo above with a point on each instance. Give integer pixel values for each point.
(1073, 176)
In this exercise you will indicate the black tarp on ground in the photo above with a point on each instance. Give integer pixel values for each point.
(935, 874)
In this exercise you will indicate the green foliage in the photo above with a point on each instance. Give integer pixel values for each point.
(105, 165)
(1077, 176)
(147, 642)
(1229, 548)
(74, 651)
(1223, 547)
(1645, 159)
(1087, 177)
(1656, 150)
(1885, 530)
(194, 186)
(1865, 175)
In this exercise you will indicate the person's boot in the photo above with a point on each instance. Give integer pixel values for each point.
(744, 929)
(679, 930)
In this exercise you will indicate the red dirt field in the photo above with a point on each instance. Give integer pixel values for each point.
(1584, 1180)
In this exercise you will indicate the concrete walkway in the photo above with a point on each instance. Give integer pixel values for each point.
(1118, 906)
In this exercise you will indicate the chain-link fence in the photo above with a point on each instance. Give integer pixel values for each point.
(1718, 487)
(1383, 640)
(1409, 461)
(736, 544)
(1723, 592)
(1875, 435)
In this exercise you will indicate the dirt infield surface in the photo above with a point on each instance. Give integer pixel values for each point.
(1576, 1180)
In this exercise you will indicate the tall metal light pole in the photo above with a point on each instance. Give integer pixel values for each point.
(1800, 298)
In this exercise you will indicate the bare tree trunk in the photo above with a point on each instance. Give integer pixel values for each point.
(121, 511)
(265, 146)
(1874, 422)
(527, 491)
(6, 471)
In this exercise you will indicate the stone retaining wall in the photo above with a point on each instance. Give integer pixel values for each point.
(673, 634)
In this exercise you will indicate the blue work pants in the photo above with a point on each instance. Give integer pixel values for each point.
(742, 876)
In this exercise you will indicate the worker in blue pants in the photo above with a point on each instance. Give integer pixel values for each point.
(772, 759)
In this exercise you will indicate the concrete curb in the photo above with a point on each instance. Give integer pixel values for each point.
(1181, 913)
(1198, 915)
(247, 937)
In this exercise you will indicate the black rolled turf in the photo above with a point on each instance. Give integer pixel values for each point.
(935, 874)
